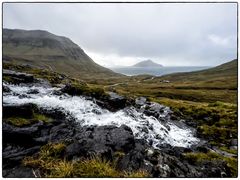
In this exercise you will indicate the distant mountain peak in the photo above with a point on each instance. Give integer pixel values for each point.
(147, 63)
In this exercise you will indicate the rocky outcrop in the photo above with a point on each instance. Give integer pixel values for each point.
(101, 140)
(25, 110)
(17, 77)
(113, 102)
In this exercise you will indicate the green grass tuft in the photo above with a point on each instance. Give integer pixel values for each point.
(51, 163)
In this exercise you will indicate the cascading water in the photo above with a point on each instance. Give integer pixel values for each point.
(87, 113)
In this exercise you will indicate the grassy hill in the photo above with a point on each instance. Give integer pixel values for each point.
(224, 75)
(210, 85)
(43, 49)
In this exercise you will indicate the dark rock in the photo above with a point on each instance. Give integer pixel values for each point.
(74, 89)
(25, 110)
(22, 96)
(17, 77)
(155, 110)
(6, 89)
(102, 140)
(140, 101)
(61, 132)
(15, 155)
(233, 147)
(113, 102)
(19, 135)
(18, 172)
(57, 93)
(33, 91)
(234, 142)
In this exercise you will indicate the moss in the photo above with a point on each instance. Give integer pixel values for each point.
(19, 121)
(80, 88)
(51, 163)
(23, 121)
(41, 117)
(232, 151)
(196, 158)
(8, 79)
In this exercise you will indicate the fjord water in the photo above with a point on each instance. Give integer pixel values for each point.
(130, 71)
(87, 113)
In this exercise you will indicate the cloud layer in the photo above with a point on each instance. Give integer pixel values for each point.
(123, 34)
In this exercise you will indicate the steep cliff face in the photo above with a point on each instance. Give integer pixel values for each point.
(43, 49)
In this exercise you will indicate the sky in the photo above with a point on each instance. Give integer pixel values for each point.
(122, 34)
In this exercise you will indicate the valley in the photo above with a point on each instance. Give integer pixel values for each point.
(74, 118)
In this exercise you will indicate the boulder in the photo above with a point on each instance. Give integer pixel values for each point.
(158, 111)
(101, 140)
(25, 110)
(33, 91)
(113, 102)
(140, 101)
(12, 134)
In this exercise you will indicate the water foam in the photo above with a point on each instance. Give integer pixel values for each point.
(88, 113)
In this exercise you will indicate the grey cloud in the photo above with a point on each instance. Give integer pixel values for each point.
(177, 32)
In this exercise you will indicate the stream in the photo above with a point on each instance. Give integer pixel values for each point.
(87, 112)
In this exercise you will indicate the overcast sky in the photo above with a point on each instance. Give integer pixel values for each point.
(123, 34)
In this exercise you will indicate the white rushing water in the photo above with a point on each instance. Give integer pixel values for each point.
(88, 113)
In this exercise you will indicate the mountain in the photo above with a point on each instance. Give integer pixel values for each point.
(43, 49)
(147, 63)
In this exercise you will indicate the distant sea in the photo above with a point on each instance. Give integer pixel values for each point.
(130, 71)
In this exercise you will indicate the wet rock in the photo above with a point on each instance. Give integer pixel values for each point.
(22, 96)
(135, 158)
(74, 89)
(25, 110)
(113, 102)
(60, 132)
(156, 110)
(6, 89)
(140, 101)
(14, 155)
(57, 92)
(102, 140)
(19, 135)
(17, 77)
(33, 91)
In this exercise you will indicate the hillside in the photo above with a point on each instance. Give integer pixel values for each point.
(226, 70)
(147, 63)
(43, 49)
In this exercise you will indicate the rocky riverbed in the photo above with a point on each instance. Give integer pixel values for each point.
(147, 133)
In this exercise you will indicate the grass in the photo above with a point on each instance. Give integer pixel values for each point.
(51, 163)
(77, 88)
(196, 158)
(22, 121)
(216, 122)
(18, 121)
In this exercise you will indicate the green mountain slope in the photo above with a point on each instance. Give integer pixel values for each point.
(43, 49)
(226, 70)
